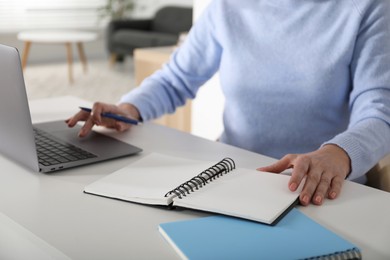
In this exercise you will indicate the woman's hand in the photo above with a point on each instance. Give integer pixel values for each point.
(95, 118)
(323, 172)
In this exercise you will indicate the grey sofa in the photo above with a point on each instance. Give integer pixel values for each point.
(123, 36)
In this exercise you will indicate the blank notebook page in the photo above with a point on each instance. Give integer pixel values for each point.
(249, 192)
(148, 179)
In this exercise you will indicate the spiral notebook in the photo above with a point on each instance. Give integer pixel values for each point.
(219, 187)
(296, 236)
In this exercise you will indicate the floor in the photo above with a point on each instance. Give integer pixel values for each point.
(100, 83)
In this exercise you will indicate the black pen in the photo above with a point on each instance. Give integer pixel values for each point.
(115, 116)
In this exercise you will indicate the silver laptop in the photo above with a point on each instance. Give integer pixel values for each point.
(45, 147)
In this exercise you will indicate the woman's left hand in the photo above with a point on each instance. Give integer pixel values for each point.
(323, 171)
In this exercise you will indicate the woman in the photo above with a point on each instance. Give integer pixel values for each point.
(306, 78)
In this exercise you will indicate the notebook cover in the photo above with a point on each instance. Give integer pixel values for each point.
(296, 236)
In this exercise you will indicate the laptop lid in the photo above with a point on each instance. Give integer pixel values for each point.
(17, 139)
(16, 133)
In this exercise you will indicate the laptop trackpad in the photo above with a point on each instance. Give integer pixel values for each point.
(96, 143)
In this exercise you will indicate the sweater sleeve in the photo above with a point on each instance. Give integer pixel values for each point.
(367, 139)
(189, 67)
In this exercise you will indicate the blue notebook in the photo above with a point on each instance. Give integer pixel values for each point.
(296, 236)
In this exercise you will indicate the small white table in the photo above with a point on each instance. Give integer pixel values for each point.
(58, 37)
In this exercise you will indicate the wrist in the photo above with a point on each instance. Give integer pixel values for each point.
(130, 110)
(342, 155)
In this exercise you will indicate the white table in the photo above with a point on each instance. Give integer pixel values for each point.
(58, 37)
(53, 209)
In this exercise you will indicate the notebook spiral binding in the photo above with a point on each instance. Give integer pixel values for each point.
(351, 254)
(224, 166)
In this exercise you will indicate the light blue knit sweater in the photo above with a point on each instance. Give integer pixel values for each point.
(296, 74)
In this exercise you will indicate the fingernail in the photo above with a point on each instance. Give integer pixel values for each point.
(306, 199)
(332, 195)
(293, 186)
(318, 199)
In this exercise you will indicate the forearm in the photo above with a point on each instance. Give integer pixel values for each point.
(190, 66)
(367, 139)
(159, 94)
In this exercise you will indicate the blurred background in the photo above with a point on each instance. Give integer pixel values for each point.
(54, 66)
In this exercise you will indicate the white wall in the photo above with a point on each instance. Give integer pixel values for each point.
(11, 25)
(19, 15)
(146, 8)
(208, 106)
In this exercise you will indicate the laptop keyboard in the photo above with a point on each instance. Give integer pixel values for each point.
(52, 152)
